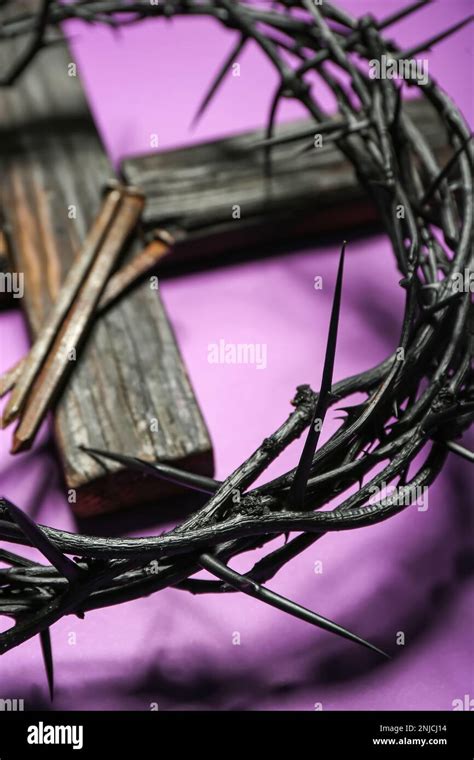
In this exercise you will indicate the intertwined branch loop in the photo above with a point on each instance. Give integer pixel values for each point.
(420, 398)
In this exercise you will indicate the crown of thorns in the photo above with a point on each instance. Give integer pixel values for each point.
(419, 398)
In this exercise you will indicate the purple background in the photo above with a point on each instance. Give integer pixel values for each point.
(408, 574)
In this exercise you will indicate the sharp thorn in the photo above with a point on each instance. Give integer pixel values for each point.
(46, 649)
(445, 171)
(402, 13)
(318, 128)
(461, 451)
(298, 486)
(252, 588)
(428, 44)
(439, 305)
(164, 471)
(217, 81)
(15, 560)
(395, 409)
(38, 538)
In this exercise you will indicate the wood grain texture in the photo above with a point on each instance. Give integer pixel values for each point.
(191, 192)
(130, 391)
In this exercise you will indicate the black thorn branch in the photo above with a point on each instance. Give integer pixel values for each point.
(219, 78)
(298, 488)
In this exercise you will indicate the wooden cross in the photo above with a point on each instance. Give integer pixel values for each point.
(130, 392)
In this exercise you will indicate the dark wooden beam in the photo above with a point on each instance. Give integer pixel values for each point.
(192, 192)
(129, 391)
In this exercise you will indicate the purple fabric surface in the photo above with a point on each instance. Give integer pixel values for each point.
(405, 575)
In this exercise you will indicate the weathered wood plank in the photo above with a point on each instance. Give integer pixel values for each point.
(192, 192)
(129, 391)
